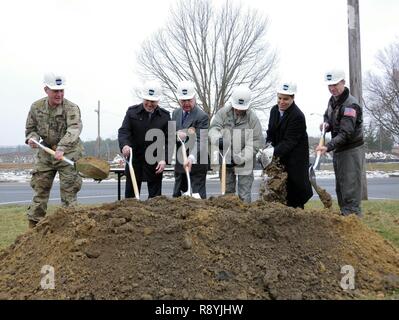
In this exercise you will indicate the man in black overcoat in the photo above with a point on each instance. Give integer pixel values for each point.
(287, 134)
(149, 156)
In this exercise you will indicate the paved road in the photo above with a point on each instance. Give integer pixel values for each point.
(21, 193)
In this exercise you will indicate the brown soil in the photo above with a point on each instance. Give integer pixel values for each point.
(274, 186)
(324, 196)
(184, 248)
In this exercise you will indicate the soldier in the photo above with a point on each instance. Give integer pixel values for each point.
(57, 122)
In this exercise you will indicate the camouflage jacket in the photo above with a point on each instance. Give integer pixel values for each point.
(59, 127)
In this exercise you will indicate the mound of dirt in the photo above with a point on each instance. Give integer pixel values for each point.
(184, 248)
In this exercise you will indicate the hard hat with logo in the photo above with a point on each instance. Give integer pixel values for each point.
(54, 81)
(334, 76)
(152, 91)
(287, 88)
(241, 98)
(185, 90)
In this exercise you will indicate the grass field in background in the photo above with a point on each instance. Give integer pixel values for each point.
(380, 216)
(13, 222)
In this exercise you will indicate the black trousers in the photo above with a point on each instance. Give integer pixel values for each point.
(198, 184)
(154, 186)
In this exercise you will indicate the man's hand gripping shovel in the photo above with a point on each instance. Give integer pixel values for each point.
(91, 167)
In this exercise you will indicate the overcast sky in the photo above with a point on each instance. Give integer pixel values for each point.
(95, 43)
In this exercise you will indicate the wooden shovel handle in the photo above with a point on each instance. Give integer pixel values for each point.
(52, 152)
(223, 177)
(133, 177)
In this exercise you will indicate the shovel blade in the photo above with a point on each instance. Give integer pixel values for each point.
(193, 195)
(324, 196)
(93, 168)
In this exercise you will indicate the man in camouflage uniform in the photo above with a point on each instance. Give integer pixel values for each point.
(57, 122)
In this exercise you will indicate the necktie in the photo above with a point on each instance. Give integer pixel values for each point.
(185, 115)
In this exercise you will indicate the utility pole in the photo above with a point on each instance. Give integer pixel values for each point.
(98, 129)
(355, 68)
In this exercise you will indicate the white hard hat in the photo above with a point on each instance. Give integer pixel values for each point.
(241, 97)
(54, 81)
(185, 90)
(152, 91)
(334, 76)
(288, 88)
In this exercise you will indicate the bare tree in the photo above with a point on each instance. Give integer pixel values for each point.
(217, 49)
(382, 90)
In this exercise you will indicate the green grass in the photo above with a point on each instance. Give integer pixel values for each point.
(380, 216)
(13, 222)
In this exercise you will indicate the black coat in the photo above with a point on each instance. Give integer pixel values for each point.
(290, 141)
(132, 133)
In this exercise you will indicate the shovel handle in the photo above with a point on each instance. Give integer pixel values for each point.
(321, 144)
(323, 135)
(223, 178)
(52, 152)
(223, 174)
(133, 177)
(183, 151)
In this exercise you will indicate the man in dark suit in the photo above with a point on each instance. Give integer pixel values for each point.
(287, 134)
(191, 125)
(138, 121)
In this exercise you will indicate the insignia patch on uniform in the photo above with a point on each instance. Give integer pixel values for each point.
(350, 112)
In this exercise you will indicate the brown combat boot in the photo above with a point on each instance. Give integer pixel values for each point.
(32, 224)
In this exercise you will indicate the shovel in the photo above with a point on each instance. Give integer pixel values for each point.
(325, 197)
(133, 176)
(223, 172)
(189, 192)
(87, 167)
